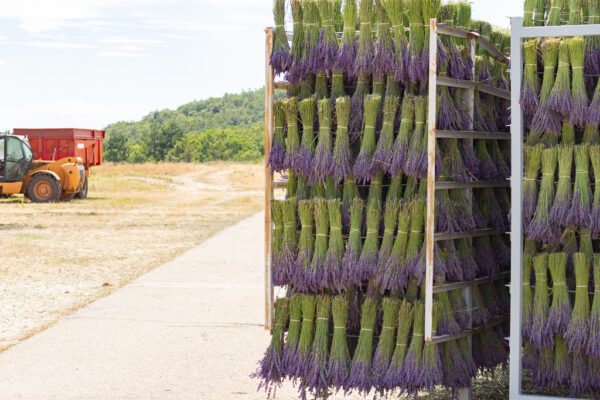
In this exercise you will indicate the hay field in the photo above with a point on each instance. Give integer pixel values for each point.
(58, 257)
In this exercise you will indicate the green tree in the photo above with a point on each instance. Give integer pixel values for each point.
(136, 154)
(115, 147)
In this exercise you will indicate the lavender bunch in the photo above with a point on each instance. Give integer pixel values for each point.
(290, 348)
(396, 11)
(481, 315)
(387, 338)
(402, 142)
(327, 48)
(367, 263)
(347, 54)
(360, 377)
(457, 364)
(302, 273)
(527, 295)
(578, 115)
(431, 373)
(453, 166)
(362, 65)
(488, 170)
(393, 376)
(580, 213)
(281, 58)
(416, 163)
(577, 333)
(383, 156)
(270, 371)
(545, 120)
(295, 73)
(559, 314)
(317, 279)
(533, 160)
(412, 265)
(390, 220)
(368, 144)
(293, 137)
(277, 154)
(323, 160)
(562, 363)
(540, 228)
(307, 334)
(560, 100)
(391, 277)
(467, 259)
(540, 335)
(411, 372)
(342, 155)
(289, 246)
(531, 82)
(350, 262)
(383, 55)
(339, 357)
(279, 271)
(304, 160)
(317, 369)
(562, 201)
(335, 250)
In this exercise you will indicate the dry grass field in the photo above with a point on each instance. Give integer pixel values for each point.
(58, 257)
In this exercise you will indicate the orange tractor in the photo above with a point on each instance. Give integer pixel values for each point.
(48, 165)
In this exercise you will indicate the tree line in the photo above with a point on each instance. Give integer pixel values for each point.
(227, 128)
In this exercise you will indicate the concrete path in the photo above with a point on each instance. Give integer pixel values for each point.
(191, 329)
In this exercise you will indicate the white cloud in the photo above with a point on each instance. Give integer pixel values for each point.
(40, 16)
(124, 40)
(56, 45)
(121, 54)
(189, 26)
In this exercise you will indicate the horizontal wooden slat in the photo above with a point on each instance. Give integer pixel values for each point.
(281, 85)
(447, 287)
(469, 332)
(440, 237)
(464, 34)
(470, 185)
(481, 87)
(441, 134)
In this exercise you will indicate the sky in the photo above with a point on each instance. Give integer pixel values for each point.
(89, 63)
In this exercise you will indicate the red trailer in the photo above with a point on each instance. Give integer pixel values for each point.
(55, 144)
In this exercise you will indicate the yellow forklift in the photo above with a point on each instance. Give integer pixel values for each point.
(40, 181)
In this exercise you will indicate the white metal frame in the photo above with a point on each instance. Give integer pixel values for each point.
(518, 33)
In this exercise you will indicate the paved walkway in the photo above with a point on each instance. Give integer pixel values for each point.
(191, 329)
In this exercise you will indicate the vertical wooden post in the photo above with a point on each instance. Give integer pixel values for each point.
(431, 147)
(269, 95)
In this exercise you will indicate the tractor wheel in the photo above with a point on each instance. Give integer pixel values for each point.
(44, 189)
(83, 193)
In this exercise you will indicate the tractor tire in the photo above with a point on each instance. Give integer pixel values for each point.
(83, 193)
(44, 189)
